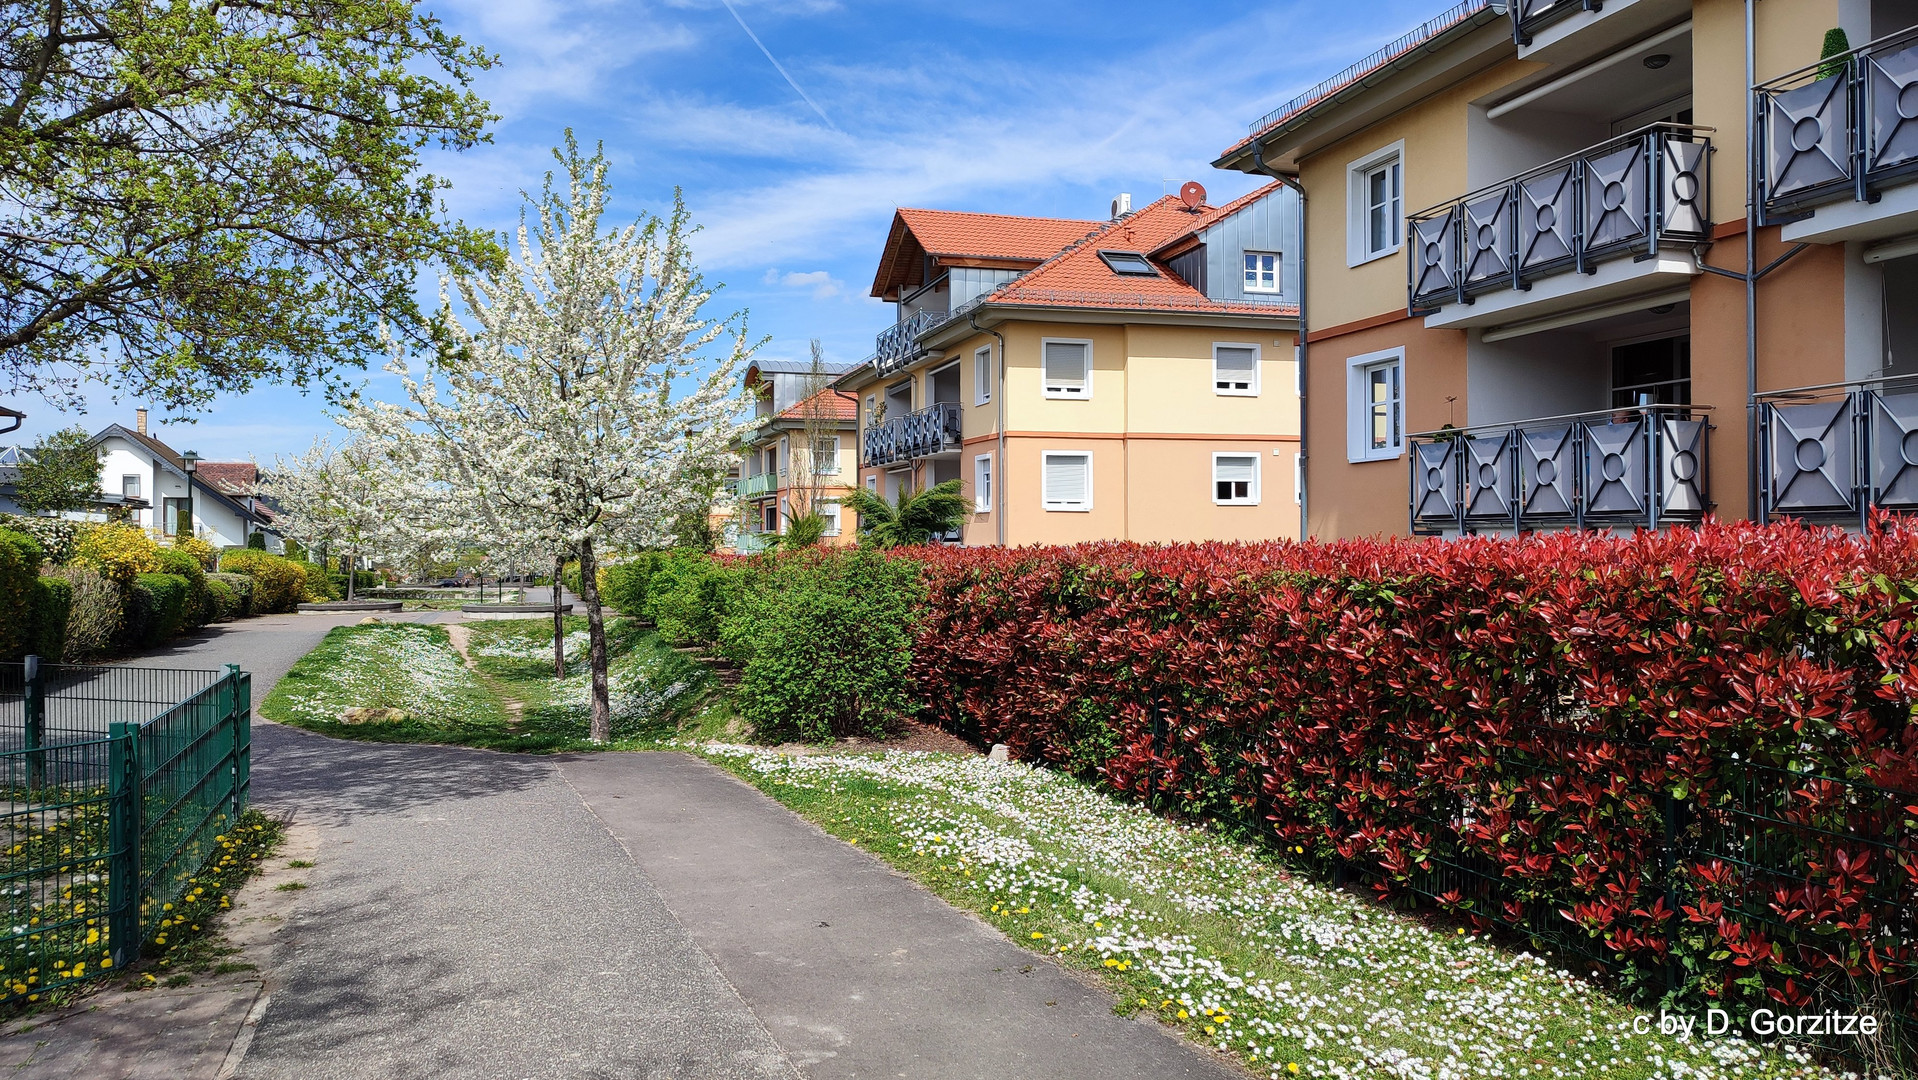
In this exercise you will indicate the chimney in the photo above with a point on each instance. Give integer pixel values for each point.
(1122, 205)
(140, 421)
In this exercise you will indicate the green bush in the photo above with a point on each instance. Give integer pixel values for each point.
(20, 559)
(186, 565)
(52, 608)
(242, 589)
(690, 593)
(156, 610)
(318, 587)
(278, 584)
(222, 601)
(826, 642)
(624, 585)
(97, 613)
(256, 541)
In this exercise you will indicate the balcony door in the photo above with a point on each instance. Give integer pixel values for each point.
(1655, 372)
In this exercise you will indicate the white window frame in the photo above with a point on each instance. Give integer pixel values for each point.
(830, 466)
(1278, 273)
(1258, 366)
(1358, 406)
(1053, 506)
(1359, 248)
(982, 375)
(982, 483)
(872, 483)
(131, 480)
(1258, 475)
(1081, 394)
(829, 510)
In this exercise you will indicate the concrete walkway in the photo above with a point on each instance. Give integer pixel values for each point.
(484, 915)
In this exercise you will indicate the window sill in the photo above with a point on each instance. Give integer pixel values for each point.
(1234, 393)
(1375, 256)
(1235, 502)
(1382, 455)
(1068, 509)
(1066, 395)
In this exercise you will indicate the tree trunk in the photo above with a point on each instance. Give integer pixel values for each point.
(559, 619)
(352, 571)
(596, 643)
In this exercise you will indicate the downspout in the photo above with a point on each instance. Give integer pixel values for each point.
(999, 468)
(1305, 456)
(1752, 509)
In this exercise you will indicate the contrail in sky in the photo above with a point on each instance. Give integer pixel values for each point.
(777, 65)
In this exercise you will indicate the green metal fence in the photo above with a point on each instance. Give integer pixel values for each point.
(118, 782)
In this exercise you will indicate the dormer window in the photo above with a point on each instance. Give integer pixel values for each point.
(1129, 263)
(1261, 271)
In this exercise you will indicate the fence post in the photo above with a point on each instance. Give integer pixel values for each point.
(241, 714)
(123, 844)
(33, 737)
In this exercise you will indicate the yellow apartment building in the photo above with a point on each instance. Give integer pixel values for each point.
(1619, 264)
(1127, 379)
(797, 456)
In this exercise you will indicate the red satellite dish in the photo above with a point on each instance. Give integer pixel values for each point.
(1192, 194)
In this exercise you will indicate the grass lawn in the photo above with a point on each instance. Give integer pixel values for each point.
(511, 702)
(1293, 977)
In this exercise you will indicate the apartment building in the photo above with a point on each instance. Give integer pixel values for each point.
(1125, 379)
(1619, 264)
(797, 456)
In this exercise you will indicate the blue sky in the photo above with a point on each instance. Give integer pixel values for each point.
(990, 105)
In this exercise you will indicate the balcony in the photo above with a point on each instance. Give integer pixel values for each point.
(1621, 468)
(752, 487)
(1531, 16)
(897, 345)
(1630, 196)
(1841, 131)
(932, 430)
(1839, 451)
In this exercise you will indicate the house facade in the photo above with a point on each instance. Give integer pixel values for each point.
(137, 466)
(798, 455)
(1569, 265)
(1127, 379)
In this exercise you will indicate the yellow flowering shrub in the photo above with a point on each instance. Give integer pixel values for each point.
(197, 548)
(117, 550)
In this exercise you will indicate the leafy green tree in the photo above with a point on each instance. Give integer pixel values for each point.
(803, 532)
(202, 194)
(914, 519)
(60, 472)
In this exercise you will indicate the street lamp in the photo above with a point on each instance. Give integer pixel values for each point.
(191, 461)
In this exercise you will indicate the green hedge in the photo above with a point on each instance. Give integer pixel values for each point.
(691, 592)
(241, 587)
(626, 586)
(825, 639)
(278, 584)
(223, 601)
(156, 609)
(199, 602)
(20, 559)
(52, 608)
(97, 614)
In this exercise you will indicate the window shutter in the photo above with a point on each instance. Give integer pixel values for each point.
(1065, 366)
(1234, 468)
(1066, 478)
(1235, 367)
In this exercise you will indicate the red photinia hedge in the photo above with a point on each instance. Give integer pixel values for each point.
(1666, 748)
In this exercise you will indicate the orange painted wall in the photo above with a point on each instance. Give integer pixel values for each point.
(1369, 498)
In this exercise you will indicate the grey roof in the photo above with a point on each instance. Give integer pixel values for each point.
(800, 367)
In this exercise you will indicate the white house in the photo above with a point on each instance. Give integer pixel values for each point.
(136, 465)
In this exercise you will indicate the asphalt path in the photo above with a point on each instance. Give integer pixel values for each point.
(484, 915)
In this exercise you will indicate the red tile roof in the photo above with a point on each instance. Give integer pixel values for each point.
(831, 405)
(1078, 277)
(231, 477)
(955, 234)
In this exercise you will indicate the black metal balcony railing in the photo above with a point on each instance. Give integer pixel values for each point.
(896, 345)
(1839, 451)
(1637, 466)
(1529, 16)
(932, 430)
(1625, 196)
(1840, 128)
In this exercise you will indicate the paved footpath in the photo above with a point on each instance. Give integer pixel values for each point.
(483, 915)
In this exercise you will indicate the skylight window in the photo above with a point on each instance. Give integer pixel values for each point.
(1130, 263)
